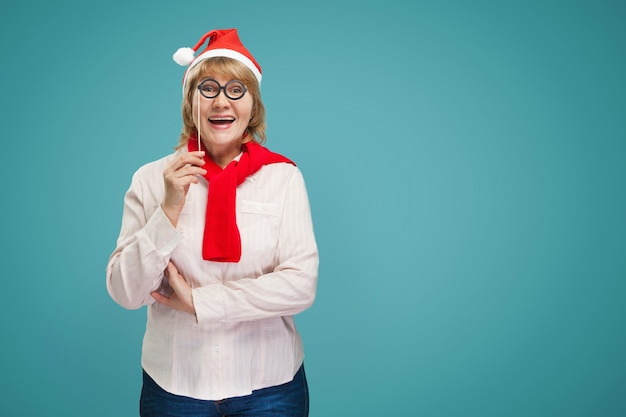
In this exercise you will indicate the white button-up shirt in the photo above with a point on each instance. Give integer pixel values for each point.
(243, 336)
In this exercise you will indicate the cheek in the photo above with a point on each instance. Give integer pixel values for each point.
(193, 109)
(204, 107)
(245, 111)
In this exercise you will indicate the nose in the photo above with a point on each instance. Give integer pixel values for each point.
(221, 100)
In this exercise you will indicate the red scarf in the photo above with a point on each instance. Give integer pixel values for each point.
(222, 242)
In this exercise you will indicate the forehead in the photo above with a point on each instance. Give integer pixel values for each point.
(216, 75)
(222, 70)
(222, 80)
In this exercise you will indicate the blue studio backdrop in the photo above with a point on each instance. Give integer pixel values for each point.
(466, 166)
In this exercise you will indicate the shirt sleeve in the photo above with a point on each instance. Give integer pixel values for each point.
(289, 289)
(147, 238)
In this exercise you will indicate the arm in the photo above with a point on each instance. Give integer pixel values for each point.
(143, 249)
(289, 289)
(148, 235)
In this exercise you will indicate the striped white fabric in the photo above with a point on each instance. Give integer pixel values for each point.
(243, 336)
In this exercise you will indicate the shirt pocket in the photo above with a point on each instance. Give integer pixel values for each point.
(255, 207)
(259, 224)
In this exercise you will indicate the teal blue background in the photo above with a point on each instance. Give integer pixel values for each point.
(466, 165)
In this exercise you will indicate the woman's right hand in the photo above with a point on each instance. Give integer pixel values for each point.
(178, 176)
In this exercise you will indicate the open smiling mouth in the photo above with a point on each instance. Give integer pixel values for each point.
(221, 120)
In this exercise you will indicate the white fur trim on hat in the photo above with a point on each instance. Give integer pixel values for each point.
(229, 53)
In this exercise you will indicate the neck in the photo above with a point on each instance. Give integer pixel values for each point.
(222, 156)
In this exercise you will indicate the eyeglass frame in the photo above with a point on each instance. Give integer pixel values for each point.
(222, 87)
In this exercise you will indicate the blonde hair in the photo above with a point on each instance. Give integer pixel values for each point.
(231, 69)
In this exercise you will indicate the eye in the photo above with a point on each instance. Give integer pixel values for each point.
(209, 88)
(235, 89)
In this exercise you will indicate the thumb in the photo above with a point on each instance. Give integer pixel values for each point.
(173, 275)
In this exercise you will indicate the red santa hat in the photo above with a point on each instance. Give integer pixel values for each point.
(221, 42)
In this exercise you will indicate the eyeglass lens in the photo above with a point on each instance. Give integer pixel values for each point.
(233, 89)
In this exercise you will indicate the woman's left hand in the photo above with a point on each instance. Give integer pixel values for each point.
(181, 298)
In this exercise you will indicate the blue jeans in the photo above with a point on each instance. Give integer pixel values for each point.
(286, 400)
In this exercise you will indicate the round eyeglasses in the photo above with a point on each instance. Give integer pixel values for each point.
(233, 89)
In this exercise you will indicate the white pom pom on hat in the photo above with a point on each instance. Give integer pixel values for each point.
(184, 56)
(221, 42)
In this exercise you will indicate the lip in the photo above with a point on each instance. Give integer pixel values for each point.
(221, 116)
(228, 121)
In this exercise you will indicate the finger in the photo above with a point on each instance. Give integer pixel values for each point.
(199, 154)
(186, 156)
(174, 276)
(160, 298)
(183, 171)
(174, 170)
(171, 268)
(179, 184)
(178, 283)
(183, 176)
(175, 184)
(189, 158)
(189, 170)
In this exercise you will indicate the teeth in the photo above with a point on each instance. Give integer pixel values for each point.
(221, 119)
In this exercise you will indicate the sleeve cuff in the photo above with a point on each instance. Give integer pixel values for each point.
(160, 231)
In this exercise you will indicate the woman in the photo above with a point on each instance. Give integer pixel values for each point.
(217, 241)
